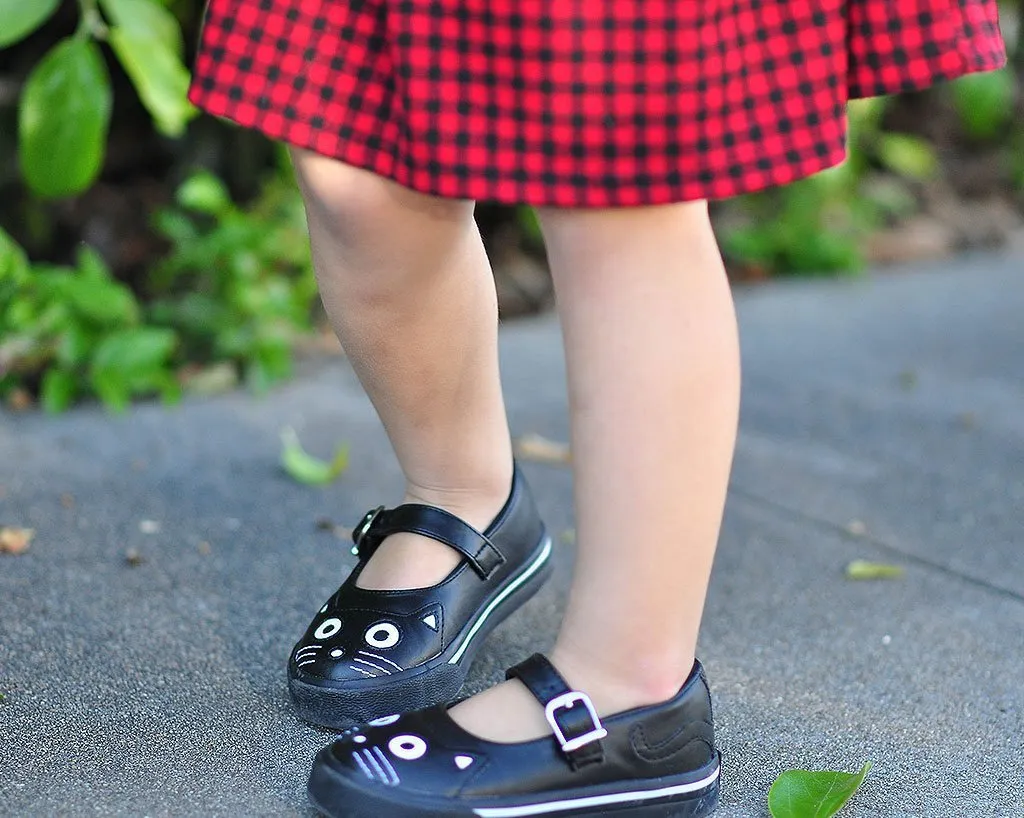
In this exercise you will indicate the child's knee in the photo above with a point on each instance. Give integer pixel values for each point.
(359, 207)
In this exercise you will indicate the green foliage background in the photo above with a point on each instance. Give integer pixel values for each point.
(206, 268)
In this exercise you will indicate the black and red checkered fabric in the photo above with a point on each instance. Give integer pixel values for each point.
(578, 102)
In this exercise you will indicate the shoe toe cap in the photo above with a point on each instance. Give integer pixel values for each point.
(338, 663)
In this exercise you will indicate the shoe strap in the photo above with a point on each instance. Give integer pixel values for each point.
(436, 523)
(571, 714)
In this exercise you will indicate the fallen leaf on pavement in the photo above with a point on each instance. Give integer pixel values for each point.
(305, 468)
(862, 569)
(908, 379)
(133, 558)
(20, 400)
(67, 500)
(210, 380)
(856, 528)
(15, 540)
(813, 794)
(541, 450)
(327, 524)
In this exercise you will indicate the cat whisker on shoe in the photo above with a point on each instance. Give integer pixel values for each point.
(364, 672)
(382, 769)
(357, 756)
(383, 670)
(395, 665)
(394, 779)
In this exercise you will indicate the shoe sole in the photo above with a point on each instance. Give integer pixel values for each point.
(436, 681)
(695, 795)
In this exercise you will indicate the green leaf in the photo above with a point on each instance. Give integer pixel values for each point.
(304, 467)
(985, 102)
(112, 389)
(22, 17)
(104, 304)
(528, 222)
(862, 569)
(275, 356)
(91, 264)
(96, 296)
(807, 794)
(131, 362)
(159, 76)
(134, 351)
(907, 155)
(170, 390)
(205, 193)
(13, 261)
(145, 19)
(63, 119)
(74, 345)
(148, 41)
(58, 390)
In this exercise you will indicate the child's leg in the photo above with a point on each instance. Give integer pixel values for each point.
(653, 369)
(408, 288)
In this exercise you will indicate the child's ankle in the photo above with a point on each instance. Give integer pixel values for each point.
(477, 505)
(407, 560)
(620, 681)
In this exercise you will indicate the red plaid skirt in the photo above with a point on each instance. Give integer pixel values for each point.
(578, 102)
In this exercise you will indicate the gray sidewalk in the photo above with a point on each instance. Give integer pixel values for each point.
(883, 419)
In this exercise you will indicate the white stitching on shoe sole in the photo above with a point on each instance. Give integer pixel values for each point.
(595, 800)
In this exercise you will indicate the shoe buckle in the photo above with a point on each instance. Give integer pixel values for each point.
(364, 527)
(567, 701)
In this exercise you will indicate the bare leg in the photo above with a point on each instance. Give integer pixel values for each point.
(408, 288)
(653, 368)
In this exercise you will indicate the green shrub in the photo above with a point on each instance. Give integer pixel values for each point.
(236, 289)
(811, 226)
(74, 331)
(818, 225)
(238, 283)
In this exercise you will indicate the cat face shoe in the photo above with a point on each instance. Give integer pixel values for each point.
(651, 761)
(373, 652)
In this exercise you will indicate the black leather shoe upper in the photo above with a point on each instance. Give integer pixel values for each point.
(425, 755)
(362, 635)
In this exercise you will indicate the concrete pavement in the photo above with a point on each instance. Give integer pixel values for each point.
(883, 419)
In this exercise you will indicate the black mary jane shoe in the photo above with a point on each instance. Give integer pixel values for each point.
(369, 652)
(651, 761)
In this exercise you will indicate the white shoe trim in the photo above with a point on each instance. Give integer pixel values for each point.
(529, 572)
(595, 800)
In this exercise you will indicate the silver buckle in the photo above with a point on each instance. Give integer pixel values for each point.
(363, 527)
(566, 702)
